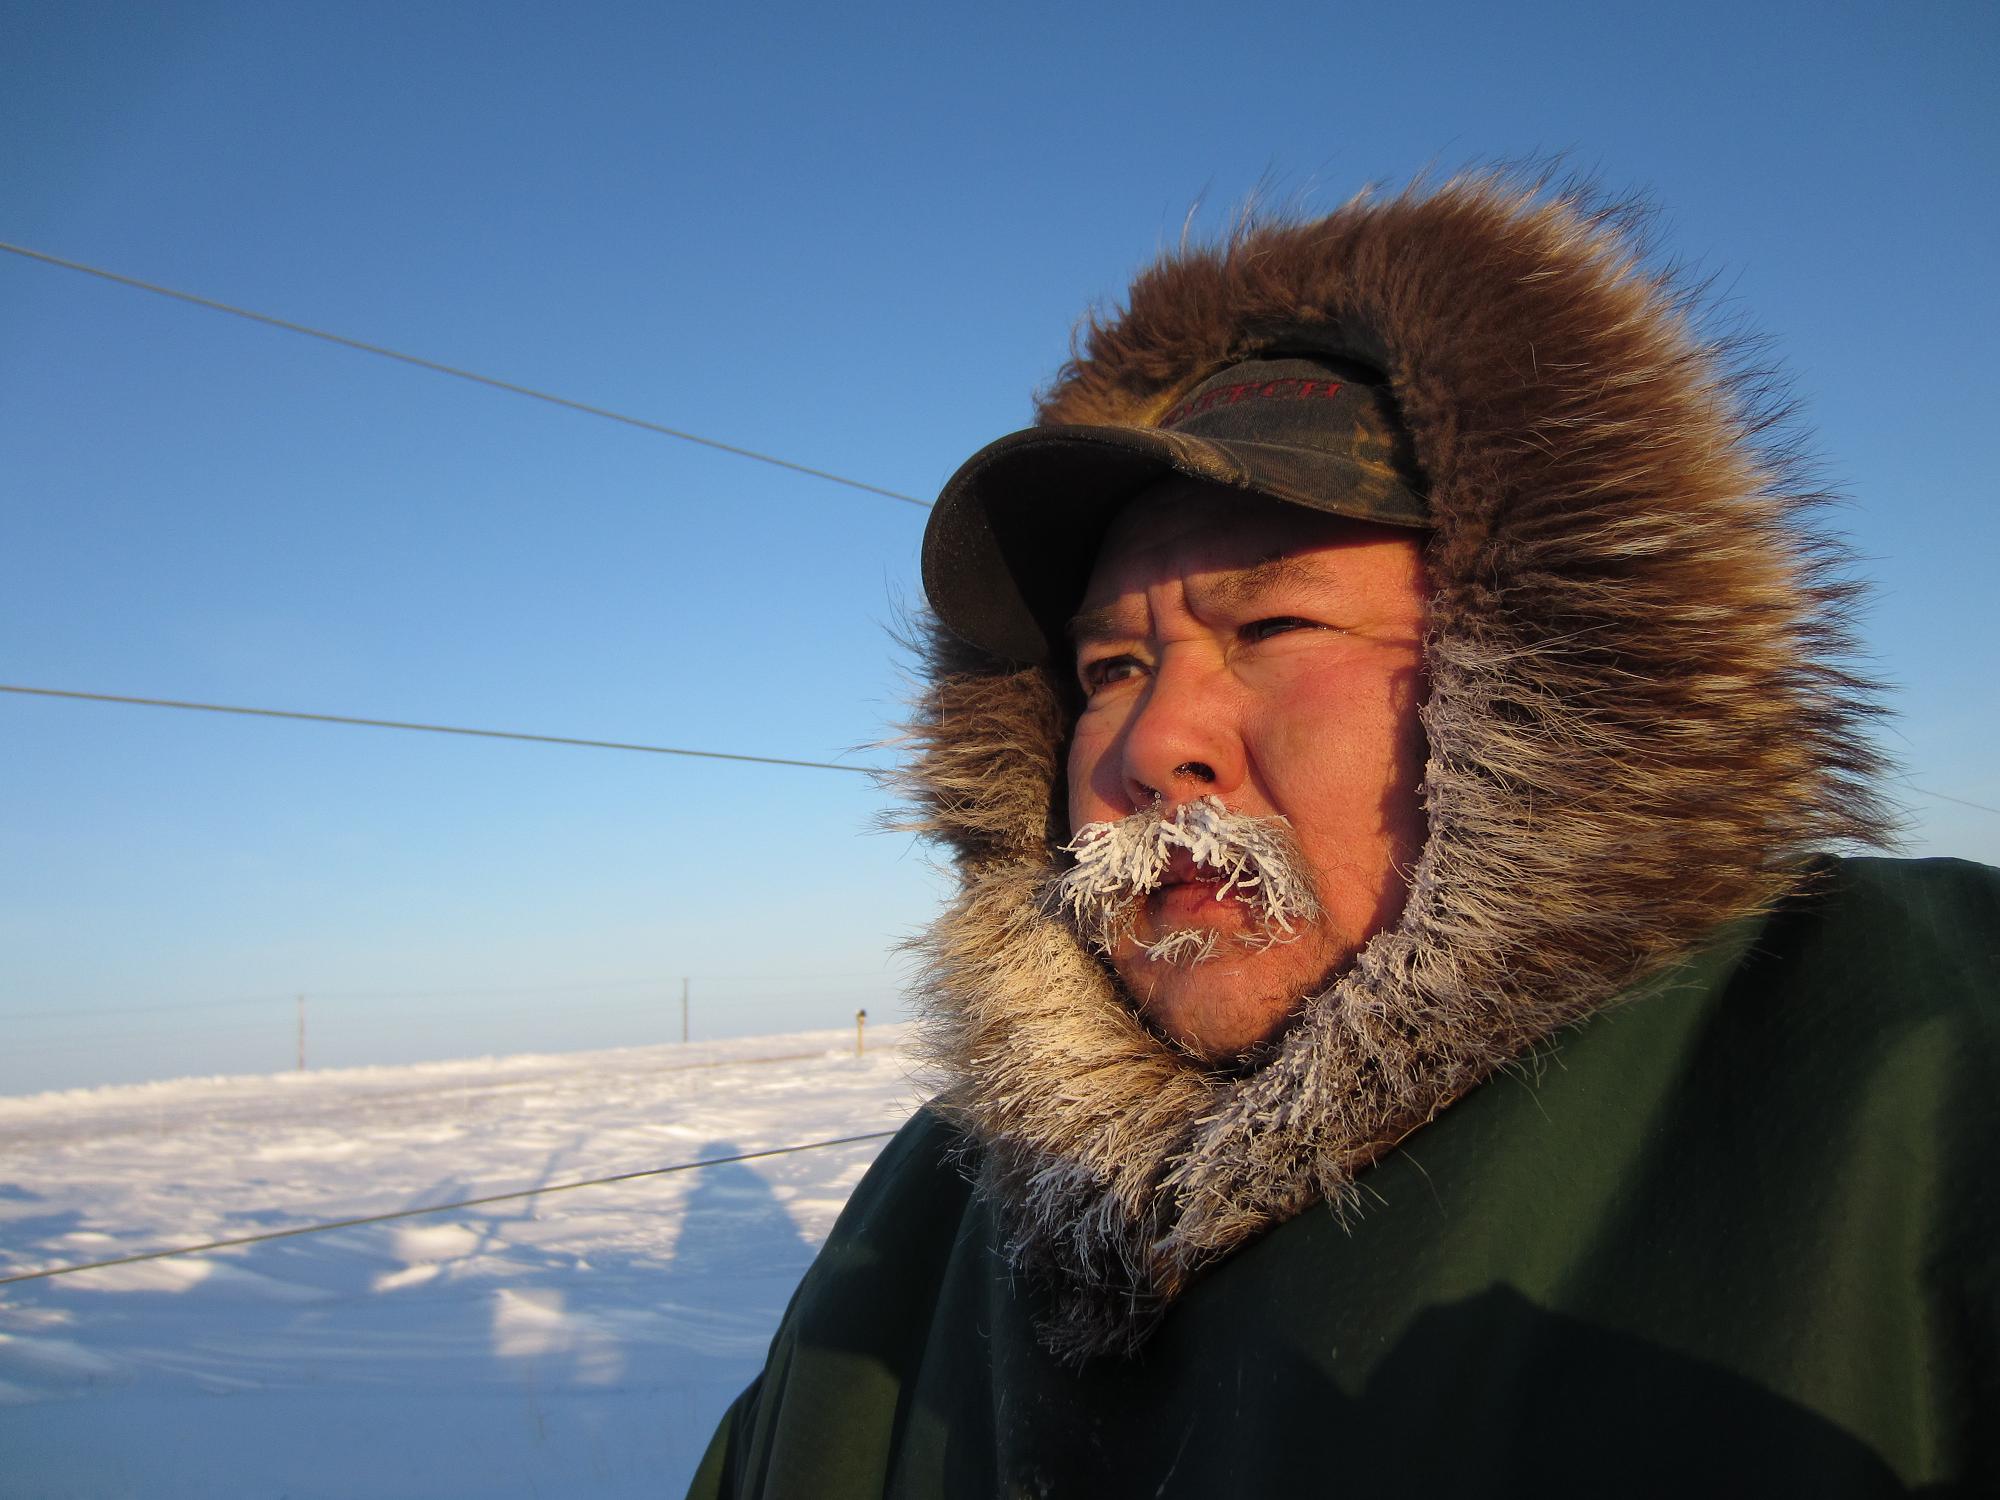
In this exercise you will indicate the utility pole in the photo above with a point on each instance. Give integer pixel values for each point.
(684, 1008)
(302, 1033)
(860, 1020)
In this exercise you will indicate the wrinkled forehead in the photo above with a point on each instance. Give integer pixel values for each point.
(1190, 530)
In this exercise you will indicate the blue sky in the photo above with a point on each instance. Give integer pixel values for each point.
(854, 237)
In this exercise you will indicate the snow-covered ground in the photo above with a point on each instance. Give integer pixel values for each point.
(571, 1343)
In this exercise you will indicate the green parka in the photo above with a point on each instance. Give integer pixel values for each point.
(1738, 1236)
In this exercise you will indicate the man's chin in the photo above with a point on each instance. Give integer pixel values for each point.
(1220, 1009)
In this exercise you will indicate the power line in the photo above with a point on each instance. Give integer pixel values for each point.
(818, 981)
(401, 1020)
(443, 369)
(489, 734)
(591, 745)
(628, 1007)
(1923, 791)
(557, 739)
(365, 347)
(437, 1208)
(144, 1010)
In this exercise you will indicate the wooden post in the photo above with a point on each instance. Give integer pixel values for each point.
(302, 1033)
(860, 1020)
(684, 1008)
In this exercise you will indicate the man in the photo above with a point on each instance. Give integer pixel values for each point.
(1395, 1028)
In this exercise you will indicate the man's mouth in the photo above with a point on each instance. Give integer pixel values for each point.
(1138, 879)
(1189, 890)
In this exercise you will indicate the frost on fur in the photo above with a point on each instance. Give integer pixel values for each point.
(1187, 946)
(1119, 864)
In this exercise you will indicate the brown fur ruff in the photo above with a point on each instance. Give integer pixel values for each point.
(1638, 722)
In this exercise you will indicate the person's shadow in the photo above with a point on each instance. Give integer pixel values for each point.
(736, 1261)
(737, 1247)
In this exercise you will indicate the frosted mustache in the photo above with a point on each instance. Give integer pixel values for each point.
(1119, 864)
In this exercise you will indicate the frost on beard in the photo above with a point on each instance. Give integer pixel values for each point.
(1119, 864)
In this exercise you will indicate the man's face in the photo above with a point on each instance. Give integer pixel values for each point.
(1271, 657)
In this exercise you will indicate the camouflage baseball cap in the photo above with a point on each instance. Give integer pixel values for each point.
(1010, 544)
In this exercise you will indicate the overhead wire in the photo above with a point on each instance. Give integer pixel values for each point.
(415, 1027)
(663, 992)
(1924, 791)
(455, 371)
(514, 388)
(142, 1010)
(489, 734)
(848, 978)
(558, 739)
(435, 1208)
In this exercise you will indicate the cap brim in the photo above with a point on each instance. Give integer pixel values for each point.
(1012, 539)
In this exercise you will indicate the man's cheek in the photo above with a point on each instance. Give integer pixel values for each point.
(1086, 801)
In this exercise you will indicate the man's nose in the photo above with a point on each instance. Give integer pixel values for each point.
(1183, 742)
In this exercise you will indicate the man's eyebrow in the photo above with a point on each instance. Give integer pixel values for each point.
(1098, 623)
(1241, 586)
(1229, 590)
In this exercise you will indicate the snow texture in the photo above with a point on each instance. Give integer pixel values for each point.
(578, 1343)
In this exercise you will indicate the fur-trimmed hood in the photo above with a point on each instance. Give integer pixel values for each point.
(1638, 721)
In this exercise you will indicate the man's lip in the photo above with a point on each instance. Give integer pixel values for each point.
(1194, 894)
(1183, 870)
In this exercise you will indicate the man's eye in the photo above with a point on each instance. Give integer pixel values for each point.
(1107, 670)
(1263, 630)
